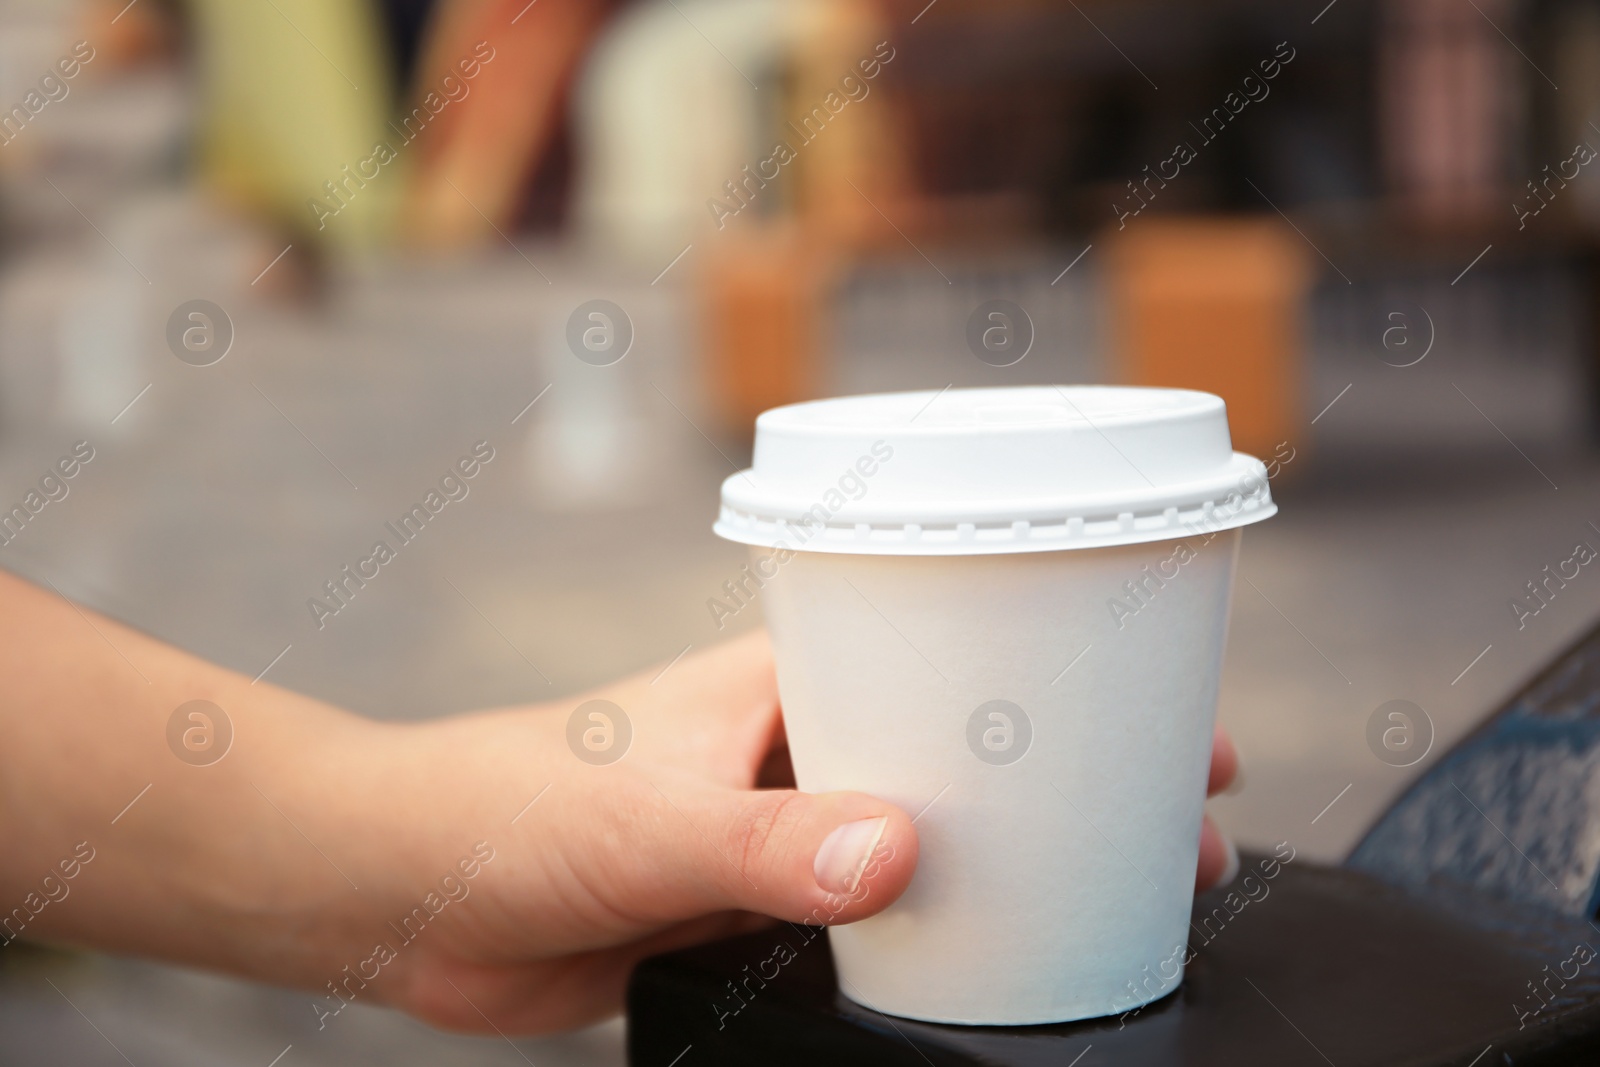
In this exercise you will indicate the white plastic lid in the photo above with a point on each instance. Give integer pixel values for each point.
(982, 471)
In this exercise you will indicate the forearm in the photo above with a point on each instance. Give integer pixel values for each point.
(202, 863)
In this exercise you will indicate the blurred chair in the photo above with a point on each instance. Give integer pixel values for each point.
(763, 295)
(1217, 305)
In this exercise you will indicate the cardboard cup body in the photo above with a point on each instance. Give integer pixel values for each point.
(1050, 715)
(1003, 609)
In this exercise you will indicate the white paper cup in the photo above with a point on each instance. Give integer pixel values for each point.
(1044, 699)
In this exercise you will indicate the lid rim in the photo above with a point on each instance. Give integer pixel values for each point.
(982, 548)
(999, 531)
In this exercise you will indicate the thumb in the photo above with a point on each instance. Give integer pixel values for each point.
(817, 858)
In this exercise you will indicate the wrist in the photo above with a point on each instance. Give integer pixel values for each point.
(423, 818)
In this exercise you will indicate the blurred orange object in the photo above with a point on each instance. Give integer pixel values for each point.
(1215, 304)
(475, 160)
(763, 291)
(126, 35)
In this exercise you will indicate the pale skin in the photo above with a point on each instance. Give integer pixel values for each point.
(293, 856)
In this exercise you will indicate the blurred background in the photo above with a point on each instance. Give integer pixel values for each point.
(282, 262)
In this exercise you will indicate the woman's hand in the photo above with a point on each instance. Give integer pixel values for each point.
(474, 871)
(672, 845)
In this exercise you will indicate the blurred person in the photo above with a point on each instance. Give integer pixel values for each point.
(469, 871)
